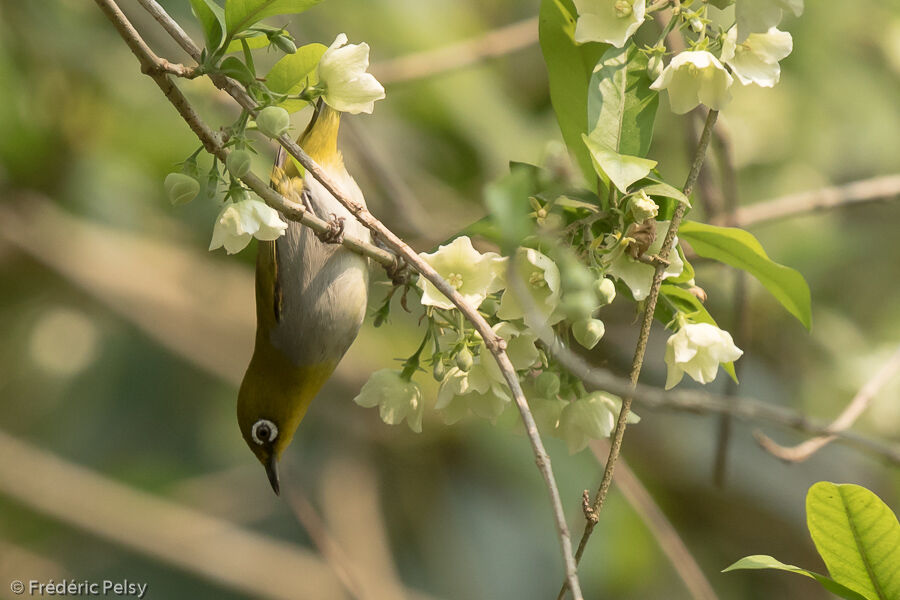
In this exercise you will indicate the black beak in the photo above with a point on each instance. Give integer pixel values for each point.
(272, 471)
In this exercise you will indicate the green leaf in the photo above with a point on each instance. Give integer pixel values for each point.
(294, 72)
(621, 105)
(684, 301)
(212, 18)
(621, 169)
(236, 69)
(741, 250)
(761, 561)
(254, 42)
(241, 14)
(857, 536)
(666, 191)
(569, 68)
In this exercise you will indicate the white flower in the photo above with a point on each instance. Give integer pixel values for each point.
(473, 274)
(638, 276)
(239, 221)
(698, 349)
(758, 16)
(541, 277)
(755, 60)
(395, 397)
(591, 418)
(477, 390)
(643, 207)
(342, 72)
(692, 78)
(610, 21)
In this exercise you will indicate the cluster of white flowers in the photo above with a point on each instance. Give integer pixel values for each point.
(473, 384)
(750, 50)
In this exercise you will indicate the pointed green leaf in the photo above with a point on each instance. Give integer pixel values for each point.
(241, 14)
(569, 68)
(236, 69)
(621, 169)
(666, 191)
(212, 18)
(254, 42)
(761, 561)
(741, 250)
(621, 105)
(857, 536)
(294, 72)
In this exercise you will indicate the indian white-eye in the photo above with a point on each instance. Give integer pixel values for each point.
(310, 302)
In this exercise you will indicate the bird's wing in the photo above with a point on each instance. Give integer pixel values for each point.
(269, 289)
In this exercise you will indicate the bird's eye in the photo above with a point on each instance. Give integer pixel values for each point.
(264, 431)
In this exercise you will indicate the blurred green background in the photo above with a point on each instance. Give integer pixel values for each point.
(123, 338)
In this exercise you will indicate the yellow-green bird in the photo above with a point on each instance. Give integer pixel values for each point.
(310, 301)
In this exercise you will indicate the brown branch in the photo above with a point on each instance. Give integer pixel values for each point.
(647, 320)
(294, 211)
(844, 421)
(874, 189)
(660, 527)
(500, 41)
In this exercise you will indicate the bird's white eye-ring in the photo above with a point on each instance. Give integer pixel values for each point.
(264, 431)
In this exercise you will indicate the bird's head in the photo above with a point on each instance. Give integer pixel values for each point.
(272, 401)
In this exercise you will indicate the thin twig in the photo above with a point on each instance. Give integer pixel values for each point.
(494, 343)
(844, 421)
(497, 42)
(647, 320)
(874, 189)
(662, 529)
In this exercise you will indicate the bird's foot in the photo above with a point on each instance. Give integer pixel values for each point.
(335, 232)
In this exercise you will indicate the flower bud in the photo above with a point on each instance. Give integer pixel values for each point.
(273, 121)
(580, 305)
(238, 163)
(181, 188)
(284, 43)
(643, 207)
(605, 290)
(547, 384)
(655, 66)
(588, 332)
(464, 360)
(439, 370)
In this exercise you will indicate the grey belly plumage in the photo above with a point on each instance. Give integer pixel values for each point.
(324, 288)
